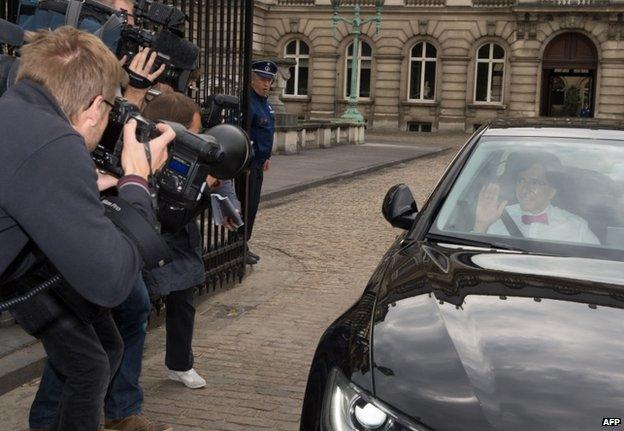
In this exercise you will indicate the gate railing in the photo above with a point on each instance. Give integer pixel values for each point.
(222, 30)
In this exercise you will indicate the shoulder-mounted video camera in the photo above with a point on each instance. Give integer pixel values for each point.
(157, 26)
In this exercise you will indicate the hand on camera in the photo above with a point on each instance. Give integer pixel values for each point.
(141, 65)
(143, 62)
(133, 155)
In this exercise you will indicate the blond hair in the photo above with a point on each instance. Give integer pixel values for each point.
(74, 66)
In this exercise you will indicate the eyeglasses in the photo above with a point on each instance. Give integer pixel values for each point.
(532, 183)
(112, 105)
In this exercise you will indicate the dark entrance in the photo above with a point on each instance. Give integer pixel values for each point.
(569, 76)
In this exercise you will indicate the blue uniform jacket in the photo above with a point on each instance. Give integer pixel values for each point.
(262, 128)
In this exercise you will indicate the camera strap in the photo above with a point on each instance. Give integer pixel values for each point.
(72, 15)
(138, 81)
(113, 23)
(133, 224)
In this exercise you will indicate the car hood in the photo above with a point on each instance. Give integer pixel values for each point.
(500, 341)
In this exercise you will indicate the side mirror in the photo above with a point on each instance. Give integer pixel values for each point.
(399, 207)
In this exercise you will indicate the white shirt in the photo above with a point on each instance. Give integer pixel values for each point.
(562, 226)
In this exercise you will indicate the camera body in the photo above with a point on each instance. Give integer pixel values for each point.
(182, 179)
(179, 184)
(107, 155)
(179, 56)
(159, 27)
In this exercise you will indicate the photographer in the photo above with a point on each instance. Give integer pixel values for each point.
(49, 206)
(124, 399)
(178, 278)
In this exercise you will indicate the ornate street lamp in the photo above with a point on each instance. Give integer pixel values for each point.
(352, 114)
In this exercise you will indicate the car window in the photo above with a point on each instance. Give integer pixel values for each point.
(567, 192)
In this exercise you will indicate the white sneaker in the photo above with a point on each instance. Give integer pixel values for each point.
(190, 378)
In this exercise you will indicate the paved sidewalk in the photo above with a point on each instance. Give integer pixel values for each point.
(311, 168)
(254, 343)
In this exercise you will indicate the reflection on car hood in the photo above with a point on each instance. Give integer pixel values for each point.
(477, 340)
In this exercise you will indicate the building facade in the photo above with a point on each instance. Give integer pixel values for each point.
(451, 64)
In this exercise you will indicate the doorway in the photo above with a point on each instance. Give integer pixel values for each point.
(569, 70)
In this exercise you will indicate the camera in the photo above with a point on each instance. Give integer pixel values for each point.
(159, 27)
(107, 155)
(223, 152)
(178, 55)
(182, 180)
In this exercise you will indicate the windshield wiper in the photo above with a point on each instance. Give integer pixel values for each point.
(471, 242)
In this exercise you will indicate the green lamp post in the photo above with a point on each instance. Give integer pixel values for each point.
(352, 114)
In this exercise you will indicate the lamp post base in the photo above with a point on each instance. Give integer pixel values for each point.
(352, 115)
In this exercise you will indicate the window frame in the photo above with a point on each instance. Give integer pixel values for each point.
(423, 59)
(490, 61)
(347, 64)
(297, 55)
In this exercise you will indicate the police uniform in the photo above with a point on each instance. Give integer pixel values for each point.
(261, 133)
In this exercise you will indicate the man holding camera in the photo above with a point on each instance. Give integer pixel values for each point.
(51, 218)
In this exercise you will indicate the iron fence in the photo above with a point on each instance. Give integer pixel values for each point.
(223, 31)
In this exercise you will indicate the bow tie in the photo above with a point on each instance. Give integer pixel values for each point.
(540, 218)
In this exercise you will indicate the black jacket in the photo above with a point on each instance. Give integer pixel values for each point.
(48, 194)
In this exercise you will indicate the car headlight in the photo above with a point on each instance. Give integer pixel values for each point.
(348, 408)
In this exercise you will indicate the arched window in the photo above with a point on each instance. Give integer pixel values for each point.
(365, 60)
(490, 66)
(422, 71)
(297, 84)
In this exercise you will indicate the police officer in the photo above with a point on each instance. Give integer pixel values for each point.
(262, 130)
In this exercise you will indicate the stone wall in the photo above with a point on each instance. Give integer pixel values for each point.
(316, 134)
(456, 30)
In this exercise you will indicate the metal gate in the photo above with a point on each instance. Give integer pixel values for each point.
(223, 31)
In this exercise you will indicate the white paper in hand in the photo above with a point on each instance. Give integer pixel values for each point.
(222, 208)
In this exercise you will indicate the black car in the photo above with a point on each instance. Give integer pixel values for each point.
(500, 306)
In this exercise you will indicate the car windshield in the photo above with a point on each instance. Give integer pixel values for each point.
(564, 195)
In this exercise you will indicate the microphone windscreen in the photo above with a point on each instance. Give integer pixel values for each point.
(11, 34)
(183, 53)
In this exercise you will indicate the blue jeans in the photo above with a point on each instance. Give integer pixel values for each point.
(125, 396)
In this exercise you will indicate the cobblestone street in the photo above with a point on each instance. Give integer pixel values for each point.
(254, 343)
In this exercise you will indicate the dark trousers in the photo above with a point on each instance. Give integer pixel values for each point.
(85, 355)
(125, 396)
(256, 175)
(180, 318)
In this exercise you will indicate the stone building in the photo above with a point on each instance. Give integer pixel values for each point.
(451, 64)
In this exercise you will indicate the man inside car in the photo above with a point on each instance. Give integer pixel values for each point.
(534, 216)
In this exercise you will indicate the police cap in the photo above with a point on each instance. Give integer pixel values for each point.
(264, 68)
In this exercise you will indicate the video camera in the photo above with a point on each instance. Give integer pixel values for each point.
(223, 152)
(179, 55)
(158, 26)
